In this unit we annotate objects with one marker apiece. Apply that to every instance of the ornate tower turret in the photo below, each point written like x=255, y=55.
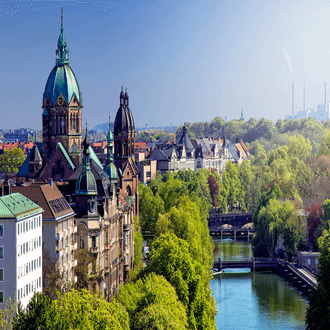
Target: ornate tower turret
x=62, y=104
x=86, y=188
x=110, y=167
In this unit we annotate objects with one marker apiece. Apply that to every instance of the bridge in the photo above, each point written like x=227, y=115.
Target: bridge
x=252, y=263
x=232, y=219
x=231, y=225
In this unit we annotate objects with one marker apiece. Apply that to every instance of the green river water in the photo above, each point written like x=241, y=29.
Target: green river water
x=260, y=300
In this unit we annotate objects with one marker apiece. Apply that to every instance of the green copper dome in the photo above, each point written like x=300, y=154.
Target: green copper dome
x=111, y=170
x=62, y=80
x=86, y=183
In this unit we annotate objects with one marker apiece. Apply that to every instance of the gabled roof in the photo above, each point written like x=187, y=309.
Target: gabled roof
x=17, y=206
x=47, y=197
x=97, y=171
x=67, y=157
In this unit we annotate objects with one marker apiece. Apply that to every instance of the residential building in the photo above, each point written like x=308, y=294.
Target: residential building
x=58, y=225
x=196, y=154
x=20, y=249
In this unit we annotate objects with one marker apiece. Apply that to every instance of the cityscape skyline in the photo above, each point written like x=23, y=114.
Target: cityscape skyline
x=181, y=61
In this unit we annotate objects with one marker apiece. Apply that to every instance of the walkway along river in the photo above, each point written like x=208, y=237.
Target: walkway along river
x=254, y=300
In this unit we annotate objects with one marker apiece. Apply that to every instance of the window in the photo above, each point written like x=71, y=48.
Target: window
x=34, y=222
x=106, y=238
x=39, y=261
x=26, y=226
x=82, y=242
x=94, y=241
x=35, y=264
x=1, y=230
x=1, y=274
x=27, y=269
x=1, y=252
x=23, y=248
x=18, y=227
x=39, y=240
x=39, y=281
x=2, y=297
x=19, y=296
x=106, y=261
x=35, y=243
x=29, y=225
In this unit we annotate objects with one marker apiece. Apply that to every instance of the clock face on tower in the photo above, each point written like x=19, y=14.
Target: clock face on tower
x=60, y=100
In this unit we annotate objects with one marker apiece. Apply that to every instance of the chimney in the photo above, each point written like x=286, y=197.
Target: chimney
x=304, y=96
x=325, y=95
x=292, y=99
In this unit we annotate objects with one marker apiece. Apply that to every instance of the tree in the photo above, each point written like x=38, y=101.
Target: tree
x=37, y=315
x=7, y=315
x=53, y=279
x=81, y=270
x=214, y=190
x=318, y=311
x=12, y=160
x=315, y=214
x=82, y=310
x=138, y=242
x=189, y=278
x=152, y=303
x=325, y=144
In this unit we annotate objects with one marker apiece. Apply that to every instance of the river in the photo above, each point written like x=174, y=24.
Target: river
x=260, y=300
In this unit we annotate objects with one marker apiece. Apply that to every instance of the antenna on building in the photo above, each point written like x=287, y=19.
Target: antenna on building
x=293, y=99
x=325, y=94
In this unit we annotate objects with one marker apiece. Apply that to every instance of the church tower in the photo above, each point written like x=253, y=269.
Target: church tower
x=62, y=106
x=124, y=137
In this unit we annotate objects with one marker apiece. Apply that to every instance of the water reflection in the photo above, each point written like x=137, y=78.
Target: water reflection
x=253, y=300
x=228, y=249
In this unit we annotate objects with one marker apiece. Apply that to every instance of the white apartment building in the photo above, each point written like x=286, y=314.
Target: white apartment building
x=58, y=225
x=20, y=249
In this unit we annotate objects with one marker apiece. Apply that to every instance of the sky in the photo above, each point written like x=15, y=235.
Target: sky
x=181, y=61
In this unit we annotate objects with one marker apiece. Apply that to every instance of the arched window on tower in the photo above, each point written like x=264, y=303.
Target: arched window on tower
x=128, y=191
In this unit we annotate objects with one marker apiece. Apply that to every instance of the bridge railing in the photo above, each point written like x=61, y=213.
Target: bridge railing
x=256, y=260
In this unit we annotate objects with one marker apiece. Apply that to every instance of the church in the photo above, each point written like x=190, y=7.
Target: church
x=104, y=197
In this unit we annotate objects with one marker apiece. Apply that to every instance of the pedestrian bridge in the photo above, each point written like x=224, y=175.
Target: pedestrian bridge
x=252, y=263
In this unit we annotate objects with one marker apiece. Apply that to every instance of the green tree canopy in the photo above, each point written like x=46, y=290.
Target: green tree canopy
x=152, y=303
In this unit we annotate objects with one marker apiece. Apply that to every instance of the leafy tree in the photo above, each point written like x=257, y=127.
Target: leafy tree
x=82, y=310
x=214, y=190
x=37, y=315
x=299, y=147
x=152, y=303
x=7, y=315
x=12, y=160
x=81, y=269
x=315, y=214
x=150, y=207
x=53, y=279
x=189, y=278
x=325, y=144
x=138, y=242
x=318, y=311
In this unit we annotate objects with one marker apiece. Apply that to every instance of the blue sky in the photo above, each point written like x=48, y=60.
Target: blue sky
x=180, y=60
